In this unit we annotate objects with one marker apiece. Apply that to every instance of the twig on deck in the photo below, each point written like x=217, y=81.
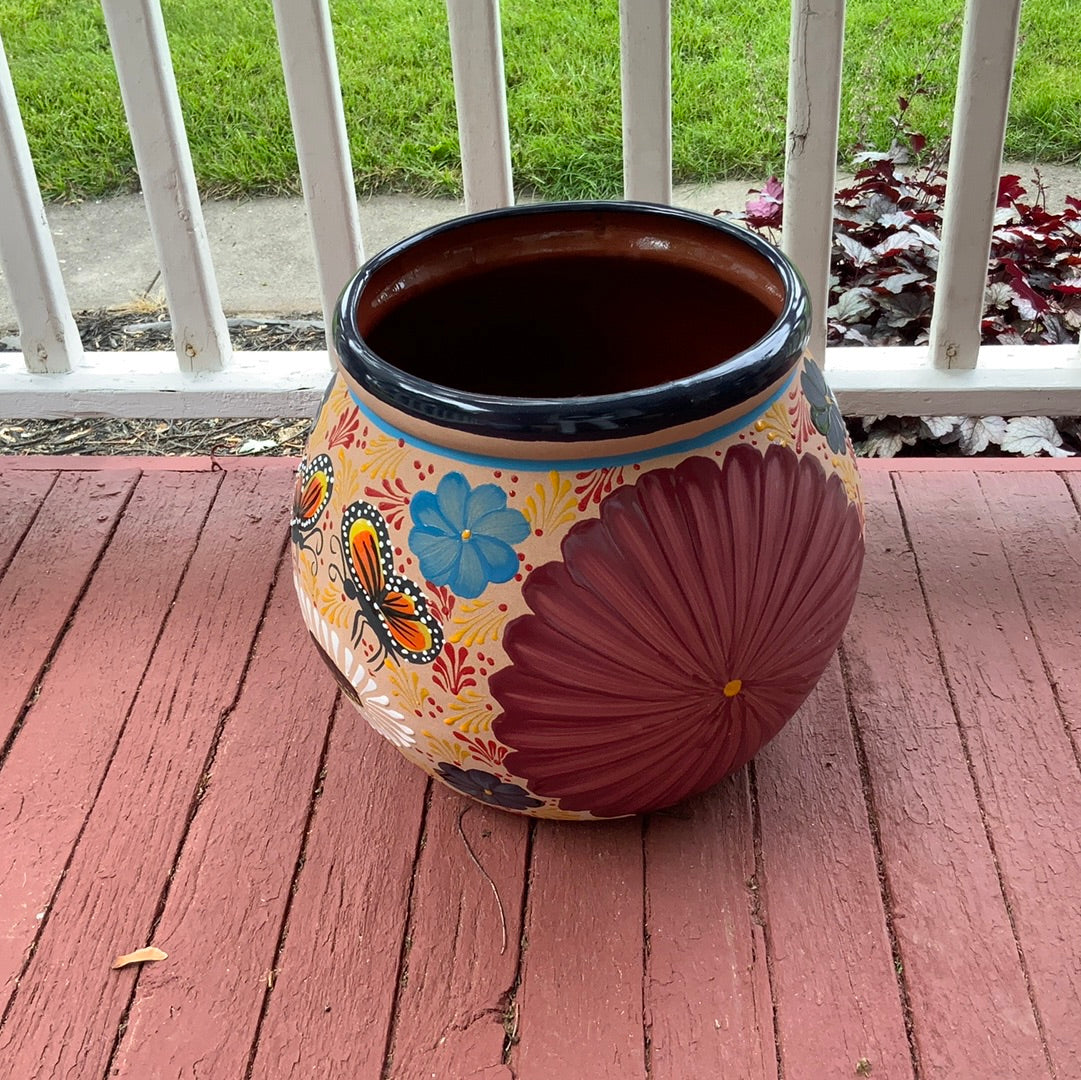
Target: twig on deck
x=487, y=876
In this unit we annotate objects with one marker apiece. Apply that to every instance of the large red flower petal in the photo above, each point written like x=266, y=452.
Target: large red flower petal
x=683, y=627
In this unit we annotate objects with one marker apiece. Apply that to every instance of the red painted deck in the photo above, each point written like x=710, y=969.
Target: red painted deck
x=892, y=890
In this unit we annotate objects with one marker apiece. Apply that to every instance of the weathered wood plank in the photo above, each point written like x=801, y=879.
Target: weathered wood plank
x=1041, y=535
x=20, y=496
x=65, y=1012
x=960, y=963
x=330, y=1009
x=833, y=980
x=462, y=962
x=51, y=776
x=1021, y=756
x=229, y=892
x=579, y=1005
x=708, y=1006
x=45, y=578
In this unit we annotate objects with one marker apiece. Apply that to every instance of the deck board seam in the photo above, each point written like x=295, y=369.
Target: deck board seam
x=647, y=1022
x=294, y=884
x=1052, y=682
x=1073, y=495
x=967, y=751
x=29, y=525
x=510, y=997
x=58, y=640
x=402, y=973
x=881, y=865
x=758, y=912
x=193, y=807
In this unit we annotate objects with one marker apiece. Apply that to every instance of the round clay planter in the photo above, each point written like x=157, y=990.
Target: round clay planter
x=579, y=526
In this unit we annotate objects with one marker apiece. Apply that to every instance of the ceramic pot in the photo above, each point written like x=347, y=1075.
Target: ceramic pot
x=579, y=526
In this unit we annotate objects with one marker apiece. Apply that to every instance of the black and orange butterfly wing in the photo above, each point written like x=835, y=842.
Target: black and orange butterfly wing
x=392, y=604
x=311, y=494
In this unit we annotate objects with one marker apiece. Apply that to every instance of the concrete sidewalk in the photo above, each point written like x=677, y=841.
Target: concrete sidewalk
x=262, y=249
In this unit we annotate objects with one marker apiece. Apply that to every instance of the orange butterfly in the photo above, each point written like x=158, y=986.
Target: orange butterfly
x=311, y=494
x=392, y=605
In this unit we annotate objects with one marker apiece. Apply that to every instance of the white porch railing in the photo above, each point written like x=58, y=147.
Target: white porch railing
x=954, y=374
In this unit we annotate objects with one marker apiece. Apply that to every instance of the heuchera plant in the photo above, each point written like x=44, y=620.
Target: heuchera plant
x=887, y=230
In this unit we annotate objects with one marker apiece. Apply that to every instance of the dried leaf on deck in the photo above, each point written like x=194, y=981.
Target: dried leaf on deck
x=140, y=956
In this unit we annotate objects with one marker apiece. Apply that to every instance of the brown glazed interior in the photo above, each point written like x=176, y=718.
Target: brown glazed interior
x=571, y=320
x=576, y=305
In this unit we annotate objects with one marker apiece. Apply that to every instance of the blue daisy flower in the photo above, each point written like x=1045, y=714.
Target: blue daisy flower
x=462, y=536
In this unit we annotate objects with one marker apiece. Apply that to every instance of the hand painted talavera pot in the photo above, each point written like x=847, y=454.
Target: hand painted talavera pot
x=579, y=526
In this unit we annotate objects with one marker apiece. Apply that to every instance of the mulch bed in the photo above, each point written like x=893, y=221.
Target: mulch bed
x=146, y=328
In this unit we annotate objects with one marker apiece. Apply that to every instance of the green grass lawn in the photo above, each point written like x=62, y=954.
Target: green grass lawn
x=729, y=75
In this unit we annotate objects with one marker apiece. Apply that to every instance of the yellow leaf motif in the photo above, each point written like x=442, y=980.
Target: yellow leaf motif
x=346, y=478
x=551, y=505
x=339, y=398
x=407, y=689
x=384, y=457
x=333, y=608
x=775, y=423
x=470, y=713
x=846, y=469
x=481, y=621
x=448, y=749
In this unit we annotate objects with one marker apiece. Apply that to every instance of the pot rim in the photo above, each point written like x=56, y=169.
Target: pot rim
x=705, y=393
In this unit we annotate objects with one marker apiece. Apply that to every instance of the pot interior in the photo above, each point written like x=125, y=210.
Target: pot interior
x=568, y=303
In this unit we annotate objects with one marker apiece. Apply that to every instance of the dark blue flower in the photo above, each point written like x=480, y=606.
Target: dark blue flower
x=483, y=786
x=825, y=415
x=462, y=536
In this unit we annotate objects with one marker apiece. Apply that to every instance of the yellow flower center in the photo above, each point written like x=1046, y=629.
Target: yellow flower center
x=467, y=534
x=733, y=687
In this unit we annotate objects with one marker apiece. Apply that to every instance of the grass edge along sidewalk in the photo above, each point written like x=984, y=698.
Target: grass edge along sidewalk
x=729, y=86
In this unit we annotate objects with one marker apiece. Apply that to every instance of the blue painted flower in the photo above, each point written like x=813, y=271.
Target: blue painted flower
x=462, y=537
x=825, y=415
x=487, y=788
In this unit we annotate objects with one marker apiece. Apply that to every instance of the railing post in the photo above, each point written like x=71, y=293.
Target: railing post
x=306, y=43
x=988, y=47
x=148, y=88
x=814, y=101
x=480, y=97
x=47, y=331
x=645, y=45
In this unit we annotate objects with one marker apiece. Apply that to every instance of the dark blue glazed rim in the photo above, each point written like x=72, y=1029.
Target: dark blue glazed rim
x=623, y=415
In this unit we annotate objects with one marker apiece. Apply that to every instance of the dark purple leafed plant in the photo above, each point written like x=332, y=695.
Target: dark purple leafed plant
x=887, y=229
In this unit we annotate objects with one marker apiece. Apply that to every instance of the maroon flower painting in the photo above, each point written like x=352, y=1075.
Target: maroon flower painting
x=682, y=629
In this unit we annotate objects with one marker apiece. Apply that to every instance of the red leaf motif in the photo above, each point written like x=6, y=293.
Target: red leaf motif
x=485, y=750
x=344, y=432
x=391, y=499
x=450, y=672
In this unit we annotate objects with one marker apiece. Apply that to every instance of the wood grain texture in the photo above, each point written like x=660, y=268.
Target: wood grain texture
x=461, y=964
x=51, y=777
x=67, y=1007
x=21, y=493
x=833, y=980
x=47, y=574
x=580, y=999
x=330, y=1010
x=1041, y=535
x=707, y=1000
x=229, y=891
x=1026, y=773
x=939, y=865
